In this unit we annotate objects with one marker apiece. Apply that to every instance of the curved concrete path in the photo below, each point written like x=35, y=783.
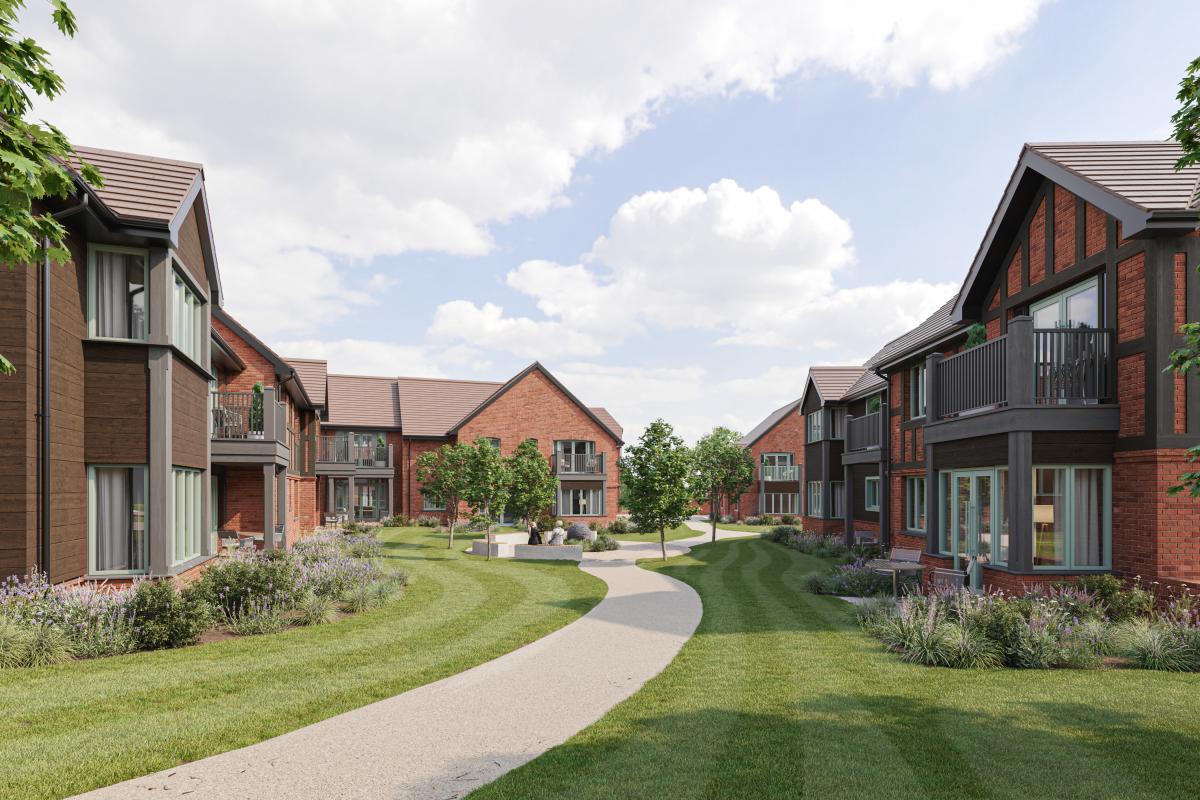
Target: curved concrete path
x=441, y=740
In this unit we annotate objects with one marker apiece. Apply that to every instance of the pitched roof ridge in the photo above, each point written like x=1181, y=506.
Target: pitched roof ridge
x=448, y=380
x=306, y=360
x=142, y=156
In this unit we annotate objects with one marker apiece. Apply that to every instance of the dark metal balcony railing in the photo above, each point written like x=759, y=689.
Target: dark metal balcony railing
x=1044, y=366
x=343, y=450
x=578, y=464
x=248, y=415
x=1072, y=365
x=864, y=433
x=974, y=379
x=779, y=472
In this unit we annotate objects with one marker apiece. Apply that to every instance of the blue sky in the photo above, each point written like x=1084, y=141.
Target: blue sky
x=903, y=174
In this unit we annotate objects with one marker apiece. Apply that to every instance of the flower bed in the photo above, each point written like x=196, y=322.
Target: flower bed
x=1085, y=625
x=244, y=593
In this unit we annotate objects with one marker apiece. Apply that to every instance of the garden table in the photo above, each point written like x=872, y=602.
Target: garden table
x=886, y=565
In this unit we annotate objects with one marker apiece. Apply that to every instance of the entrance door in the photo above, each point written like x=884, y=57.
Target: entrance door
x=973, y=527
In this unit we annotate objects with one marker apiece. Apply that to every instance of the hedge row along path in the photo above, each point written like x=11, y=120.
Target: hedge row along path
x=446, y=738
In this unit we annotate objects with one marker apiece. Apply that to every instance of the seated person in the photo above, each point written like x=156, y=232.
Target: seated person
x=558, y=534
x=535, y=534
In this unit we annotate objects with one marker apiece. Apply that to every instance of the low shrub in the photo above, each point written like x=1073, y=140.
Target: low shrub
x=14, y=644
x=1121, y=603
x=1159, y=645
x=783, y=533
x=166, y=617
x=787, y=519
x=364, y=546
x=360, y=598
x=619, y=525
x=725, y=519
x=48, y=644
x=314, y=610
x=753, y=521
x=602, y=543
x=249, y=578
x=256, y=618
x=428, y=522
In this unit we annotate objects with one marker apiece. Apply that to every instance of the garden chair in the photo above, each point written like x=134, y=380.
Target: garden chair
x=944, y=579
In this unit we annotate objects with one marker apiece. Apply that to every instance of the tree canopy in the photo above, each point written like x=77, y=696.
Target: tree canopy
x=33, y=154
x=722, y=469
x=443, y=477
x=655, y=480
x=532, y=486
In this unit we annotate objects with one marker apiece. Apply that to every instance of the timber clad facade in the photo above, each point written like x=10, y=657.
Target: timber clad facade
x=168, y=426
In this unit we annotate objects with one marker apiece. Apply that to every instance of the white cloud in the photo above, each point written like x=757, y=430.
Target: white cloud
x=738, y=262
x=364, y=357
x=335, y=133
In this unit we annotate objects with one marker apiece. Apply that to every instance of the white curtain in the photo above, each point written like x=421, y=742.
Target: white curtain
x=1089, y=517
x=116, y=547
x=112, y=317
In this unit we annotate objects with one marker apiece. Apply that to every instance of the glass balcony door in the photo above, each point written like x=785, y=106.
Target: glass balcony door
x=971, y=522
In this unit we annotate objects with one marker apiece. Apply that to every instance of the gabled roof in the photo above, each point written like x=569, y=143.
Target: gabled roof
x=520, y=376
x=770, y=421
x=938, y=325
x=432, y=406
x=1135, y=182
x=287, y=375
x=867, y=385
x=1142, y=173
x=609, y=421
x=313, y=374
x=362, y=401
x=832, y=383
x=141, y=188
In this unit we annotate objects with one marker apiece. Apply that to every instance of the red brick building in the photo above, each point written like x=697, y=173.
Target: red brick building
x=777, y=444
x=1046, y=451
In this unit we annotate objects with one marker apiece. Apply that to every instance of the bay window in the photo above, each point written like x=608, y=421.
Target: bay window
x=1071, y=517
x=780, y=503
x=116, y=295
x=117, y=537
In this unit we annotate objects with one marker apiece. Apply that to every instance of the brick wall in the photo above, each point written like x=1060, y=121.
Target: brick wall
x=1014, y=273
x=818, y=525
x=243, y=499
x=1095, y=237
x=1131, y=389
x=303, y=513
x=535, y=408
x=786, y=437
x=408, y=488
x=1037, y=245
x=1154, y=535
x=1131, y=298
x=1180, y=317
x=1064, y=228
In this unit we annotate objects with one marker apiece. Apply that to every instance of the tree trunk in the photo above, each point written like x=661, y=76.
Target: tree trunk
x=450, y=544
x=662, y=541
x=714, y=506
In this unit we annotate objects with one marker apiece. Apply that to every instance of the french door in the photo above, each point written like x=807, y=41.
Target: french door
x=971, y=523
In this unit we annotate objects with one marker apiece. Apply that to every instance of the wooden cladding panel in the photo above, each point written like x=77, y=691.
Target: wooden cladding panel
x=189, y=409
x=117, y=405
x=191, y=252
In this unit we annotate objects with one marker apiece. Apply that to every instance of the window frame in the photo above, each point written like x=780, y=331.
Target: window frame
x=911, y=512
x=814, y=426
x=837, y=497
x=1059, y=298
x=92, y=520
x=813, y=499
x=1069, y=564
x=197, y=316
x=425, y=504
x=837, y=423
x=193, y=485
x=871, y=479
x=916, y=391
x=92, y=250
x=560, y=501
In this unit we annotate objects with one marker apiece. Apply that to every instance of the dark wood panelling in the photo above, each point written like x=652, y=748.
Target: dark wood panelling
x=117, y=404
x=859, y=474
x=986, y=451
x=190, y=250
x=1074, y=447
x=189, y=407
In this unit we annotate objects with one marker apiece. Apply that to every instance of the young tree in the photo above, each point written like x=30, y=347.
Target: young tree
x=485, y=488
x=533, y=486
x=721, y=468
x=442, y=474
x=33, y=155
x=654, y=481
x=1187, y=358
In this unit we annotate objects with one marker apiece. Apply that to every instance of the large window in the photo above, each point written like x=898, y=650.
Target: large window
x=914, y=504
x=871, y=493
x=815, y=426
x=837, y=423
x=916, y=391
x=837, y=496
x=778, y=467
x=117, y=306
x=187, y=318
x=370, y=498
x=585, y=502
x=117, y=539
x=814, y=499
x=1071, y=517
x=187, y=531
x=780, y=503
x=432, y=504
x=1075, y=307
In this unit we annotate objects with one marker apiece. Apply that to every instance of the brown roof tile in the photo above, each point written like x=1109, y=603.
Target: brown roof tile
x=313, y=374
x=759, y=430
x=362, y=401
x=432, y=406
x=1141, y=172
x=609, y=420
x=142, y=188
x=868, y=384
x=834, y=382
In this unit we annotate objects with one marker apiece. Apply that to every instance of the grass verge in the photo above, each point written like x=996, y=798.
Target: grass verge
x=81, y=725
x=780, y=695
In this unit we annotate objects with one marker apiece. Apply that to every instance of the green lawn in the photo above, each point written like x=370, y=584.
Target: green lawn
x=681, y=532
x=778, y=695
x=732, y=526
x=77, y=726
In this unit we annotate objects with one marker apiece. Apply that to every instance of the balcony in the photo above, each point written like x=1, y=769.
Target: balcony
x=778, y=473
x=341, y=455
x=1030, y=379
x=249, y=427
x=578, y=465
x=865, y=432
